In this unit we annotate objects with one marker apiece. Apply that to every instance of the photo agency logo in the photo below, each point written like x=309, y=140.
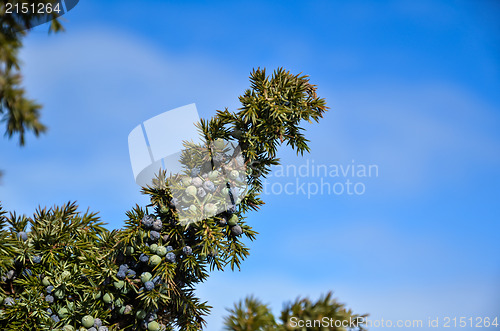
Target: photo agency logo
x=204, y=178
x=26, y=14
x=311, y=179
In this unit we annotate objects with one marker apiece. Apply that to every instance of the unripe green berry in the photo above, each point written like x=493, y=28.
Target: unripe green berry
x=154, y=260
x=119, y=284
x=153, y=248
x=233, y=220
x=234, y=174
x=107, y=298
x=161, y=251
x=59, y=294
x=63, y=312
x=153, y=326
x=88, y=321
x=119, y=302
x=146, y=276
x=191, y=190
x=46, y=281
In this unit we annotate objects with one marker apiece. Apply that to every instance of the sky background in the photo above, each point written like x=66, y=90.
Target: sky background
x=413, y=88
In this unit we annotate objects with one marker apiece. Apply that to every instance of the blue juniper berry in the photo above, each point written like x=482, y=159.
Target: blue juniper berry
x=149, y=286
x=22, y=235
x=147, y=221
x=97, y=322
x=201, y=192
x=170, y=257
x=157, y=225
x=154, y=235
x=236, y=230
x=209, y=186
x=187, y=250
x=197, y=181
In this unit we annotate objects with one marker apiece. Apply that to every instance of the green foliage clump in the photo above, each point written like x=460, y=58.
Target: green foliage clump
x=250, y=315
x=47, y=273
x=301, y=314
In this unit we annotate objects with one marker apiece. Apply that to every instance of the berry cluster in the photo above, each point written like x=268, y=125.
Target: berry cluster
x=208, y=188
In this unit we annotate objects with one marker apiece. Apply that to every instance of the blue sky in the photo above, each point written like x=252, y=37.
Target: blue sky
x=412, y=86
